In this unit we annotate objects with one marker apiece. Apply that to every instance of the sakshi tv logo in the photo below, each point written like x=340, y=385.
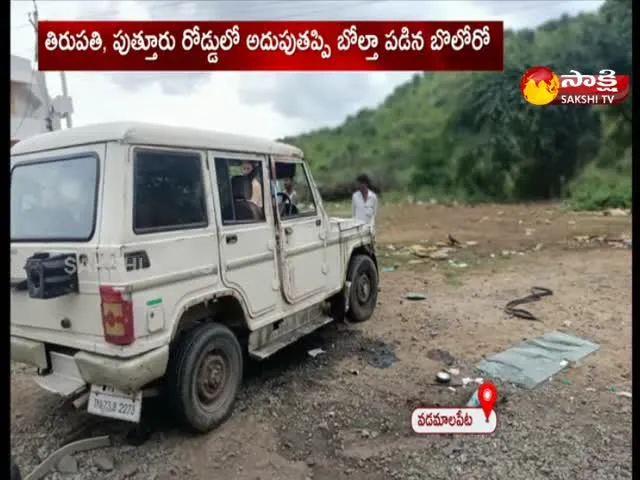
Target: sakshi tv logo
x=542, y=86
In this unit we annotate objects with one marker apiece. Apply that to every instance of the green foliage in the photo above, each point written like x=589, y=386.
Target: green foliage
x=471, y=136
x=597, y=188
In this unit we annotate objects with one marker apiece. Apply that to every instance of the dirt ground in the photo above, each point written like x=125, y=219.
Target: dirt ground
x=337, y=417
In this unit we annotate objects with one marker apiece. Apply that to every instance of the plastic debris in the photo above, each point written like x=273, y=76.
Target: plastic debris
x=624, y=394
x=389, y=269
x=315, y=352
x=456, y=264
x=467, y=380
x=454, y=371
x=415, y=296
x=473, y=400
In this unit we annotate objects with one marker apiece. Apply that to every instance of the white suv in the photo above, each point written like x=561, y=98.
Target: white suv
x=149, y=258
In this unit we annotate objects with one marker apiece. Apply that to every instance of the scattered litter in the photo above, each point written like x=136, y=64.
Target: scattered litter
x=590, y=389
x=420, y=250
x=467, y=380
x=389, y=269
x=354, y=372
x=441, y=254
x=415, y=261
x=315, y=352
x=505, y=253
x=564, y=363
x=454, y=371
x=624, y=394
x=415, y=296
x=439, y=355
x=443, y=377
x=473, y=400
x=492, y=255
x=535, y=360
x=613, y=389
x=536, y=294
x=538, y=247
x=391, y=247
x=529, y=231
x=456, y=264
x=471, y=243
x=452, y=389
x=566, y=382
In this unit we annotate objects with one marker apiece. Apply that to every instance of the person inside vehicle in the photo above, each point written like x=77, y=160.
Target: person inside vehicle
x=288, y=188
x=249, y=170
x=364, y=202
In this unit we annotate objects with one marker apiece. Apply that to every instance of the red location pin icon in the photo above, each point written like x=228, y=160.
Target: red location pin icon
x=487, y=395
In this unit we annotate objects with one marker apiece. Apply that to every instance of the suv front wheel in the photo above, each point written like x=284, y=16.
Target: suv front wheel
x=204, y=376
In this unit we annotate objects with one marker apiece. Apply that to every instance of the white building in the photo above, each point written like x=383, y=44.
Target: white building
x=31, y=106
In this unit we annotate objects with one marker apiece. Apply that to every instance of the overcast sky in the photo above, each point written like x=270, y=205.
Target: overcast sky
x=262, y=103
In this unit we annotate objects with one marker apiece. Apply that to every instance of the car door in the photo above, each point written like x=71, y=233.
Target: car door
x=248, y=254
x=302, y=233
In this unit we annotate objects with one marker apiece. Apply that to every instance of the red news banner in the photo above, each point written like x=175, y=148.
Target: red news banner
x=274, y=46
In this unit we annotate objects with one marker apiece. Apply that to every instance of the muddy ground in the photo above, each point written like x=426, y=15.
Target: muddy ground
x=338, y=416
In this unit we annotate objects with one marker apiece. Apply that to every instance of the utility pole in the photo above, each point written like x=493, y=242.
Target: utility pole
x=39, y=79
x=33, y=19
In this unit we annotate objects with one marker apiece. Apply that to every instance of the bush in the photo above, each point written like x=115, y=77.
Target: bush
x=598, y=189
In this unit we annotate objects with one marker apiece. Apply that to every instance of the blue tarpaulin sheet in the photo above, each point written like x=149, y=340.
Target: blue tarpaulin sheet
x=535, y=360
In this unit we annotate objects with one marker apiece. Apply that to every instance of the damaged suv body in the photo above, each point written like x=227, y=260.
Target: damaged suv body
x=148, y=258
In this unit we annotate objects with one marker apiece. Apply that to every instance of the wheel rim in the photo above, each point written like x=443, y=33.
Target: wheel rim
x=213, y=374
x=363, y=288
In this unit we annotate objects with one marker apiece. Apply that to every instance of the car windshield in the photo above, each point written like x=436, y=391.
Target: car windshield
x=54, y=200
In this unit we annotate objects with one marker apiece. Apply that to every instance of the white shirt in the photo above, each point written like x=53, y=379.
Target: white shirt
x=365, y=210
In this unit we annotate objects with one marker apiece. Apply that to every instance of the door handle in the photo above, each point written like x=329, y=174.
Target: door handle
x=318, y=222
x=231, y=239
x=288, y=230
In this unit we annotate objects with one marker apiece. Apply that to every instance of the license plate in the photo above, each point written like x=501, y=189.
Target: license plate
x=109, y=402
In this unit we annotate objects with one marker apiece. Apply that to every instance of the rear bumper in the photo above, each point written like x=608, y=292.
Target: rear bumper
x=128, y=375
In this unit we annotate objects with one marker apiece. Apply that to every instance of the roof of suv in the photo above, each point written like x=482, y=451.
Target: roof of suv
x=149, y=134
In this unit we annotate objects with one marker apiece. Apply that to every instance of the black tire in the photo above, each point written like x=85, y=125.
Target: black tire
x=200, y=405
x=363, y=294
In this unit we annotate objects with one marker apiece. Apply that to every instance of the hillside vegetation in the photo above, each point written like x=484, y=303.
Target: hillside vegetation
x=471, y=136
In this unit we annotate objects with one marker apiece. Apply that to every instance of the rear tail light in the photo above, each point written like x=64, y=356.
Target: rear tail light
x=117, y=317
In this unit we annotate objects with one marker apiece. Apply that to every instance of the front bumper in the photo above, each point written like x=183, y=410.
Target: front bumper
x=127, y=375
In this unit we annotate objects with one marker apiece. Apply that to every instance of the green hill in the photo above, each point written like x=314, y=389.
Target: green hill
x=472, y=137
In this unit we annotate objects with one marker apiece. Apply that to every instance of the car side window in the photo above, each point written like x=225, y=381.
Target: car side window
x=240, y=186
x=294, y=183
x=168, y=191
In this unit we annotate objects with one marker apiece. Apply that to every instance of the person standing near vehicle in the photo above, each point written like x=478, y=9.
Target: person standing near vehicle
x=364, y=202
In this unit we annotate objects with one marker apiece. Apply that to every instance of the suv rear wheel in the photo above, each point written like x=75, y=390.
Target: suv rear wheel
x=204, y=376
x=363, y=293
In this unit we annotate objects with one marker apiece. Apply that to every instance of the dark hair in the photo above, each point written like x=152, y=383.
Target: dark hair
x=364, y=179
x=254, y=169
